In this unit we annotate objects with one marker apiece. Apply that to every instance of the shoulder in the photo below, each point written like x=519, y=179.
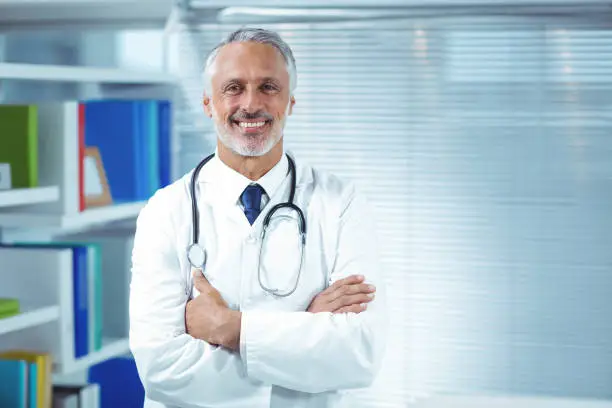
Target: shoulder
x=330, y=189
x=163, y=206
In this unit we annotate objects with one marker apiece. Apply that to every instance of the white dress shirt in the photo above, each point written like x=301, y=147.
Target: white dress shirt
x=288, y=357
x=234, y=183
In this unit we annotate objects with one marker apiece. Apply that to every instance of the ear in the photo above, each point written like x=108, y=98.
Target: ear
x=291, y=105
x=206, y=102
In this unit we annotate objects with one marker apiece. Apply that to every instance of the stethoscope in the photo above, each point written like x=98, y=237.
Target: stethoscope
x=196, y=254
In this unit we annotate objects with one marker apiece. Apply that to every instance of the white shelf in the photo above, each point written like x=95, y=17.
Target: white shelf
x=110, y=348
x=83, y=220
x=80, y=74
x=26, y=196
x=29, y=317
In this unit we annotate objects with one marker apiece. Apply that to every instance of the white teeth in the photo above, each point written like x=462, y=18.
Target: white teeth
x=252, y=125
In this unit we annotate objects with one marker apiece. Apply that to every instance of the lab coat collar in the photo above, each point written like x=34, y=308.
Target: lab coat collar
x=227, y=184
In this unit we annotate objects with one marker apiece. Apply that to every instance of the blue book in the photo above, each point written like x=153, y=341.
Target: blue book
x=14, y=384
x=81, y=301
x=33, y=384
x=153, y=144
x=115, y=127
x=141, y=155
x=149, y=147
x=165, y=148
x=120, y=385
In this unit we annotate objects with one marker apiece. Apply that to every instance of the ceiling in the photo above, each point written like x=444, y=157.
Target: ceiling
x=24, y=13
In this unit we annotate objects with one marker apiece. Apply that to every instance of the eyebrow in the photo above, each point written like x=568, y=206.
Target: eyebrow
x=240, y=81
x=269, y=79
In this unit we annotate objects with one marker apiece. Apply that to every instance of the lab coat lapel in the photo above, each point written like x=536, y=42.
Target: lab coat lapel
x=228, y=211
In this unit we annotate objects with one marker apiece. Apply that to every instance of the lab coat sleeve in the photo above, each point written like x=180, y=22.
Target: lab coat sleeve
x=318, y=352
x=175, y=368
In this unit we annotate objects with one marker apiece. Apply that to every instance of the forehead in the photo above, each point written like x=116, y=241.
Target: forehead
x=249, y=61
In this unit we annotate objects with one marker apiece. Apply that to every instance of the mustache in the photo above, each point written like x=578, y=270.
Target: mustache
x=243, y=115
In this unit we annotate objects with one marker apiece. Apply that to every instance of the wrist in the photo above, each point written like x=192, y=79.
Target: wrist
x=231, y=330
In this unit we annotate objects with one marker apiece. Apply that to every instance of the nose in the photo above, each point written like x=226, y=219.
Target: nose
x=252, y=101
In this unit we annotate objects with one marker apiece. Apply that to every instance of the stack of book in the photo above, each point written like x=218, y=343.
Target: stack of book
x=26, y=382
x=25, y=379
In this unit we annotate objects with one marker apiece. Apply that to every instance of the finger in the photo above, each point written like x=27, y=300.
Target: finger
x=200, y=281
x=358, y=288
x=352, y=289
x=350, y=300
x=350, y=280
x=352, y=309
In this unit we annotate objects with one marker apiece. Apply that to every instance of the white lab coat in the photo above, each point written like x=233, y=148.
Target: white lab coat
x=288, y=357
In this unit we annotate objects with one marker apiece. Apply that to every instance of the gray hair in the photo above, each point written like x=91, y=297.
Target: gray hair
x=261, y=36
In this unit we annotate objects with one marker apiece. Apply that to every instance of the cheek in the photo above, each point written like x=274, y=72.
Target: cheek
x=280, y=113
x=223, y=115
x=224, y=108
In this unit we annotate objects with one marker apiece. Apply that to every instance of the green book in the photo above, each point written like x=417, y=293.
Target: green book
x=9, y=314
x=19, y=143
x=9, y=307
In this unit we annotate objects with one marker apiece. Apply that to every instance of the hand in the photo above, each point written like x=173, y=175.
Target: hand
x=344, y=296
x=208, y=317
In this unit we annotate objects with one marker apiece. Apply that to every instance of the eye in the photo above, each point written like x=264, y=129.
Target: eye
x=232, y=89
x=269, y=87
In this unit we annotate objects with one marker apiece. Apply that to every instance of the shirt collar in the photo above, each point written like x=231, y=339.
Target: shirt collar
x=228, y=184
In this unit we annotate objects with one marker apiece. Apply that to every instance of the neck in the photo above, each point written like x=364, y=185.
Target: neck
x=254, y=167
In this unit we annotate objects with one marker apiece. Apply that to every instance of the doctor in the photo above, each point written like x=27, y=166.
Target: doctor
x=276, y=320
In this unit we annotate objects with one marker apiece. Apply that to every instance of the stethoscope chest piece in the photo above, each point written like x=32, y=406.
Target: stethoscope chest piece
x=196, y=256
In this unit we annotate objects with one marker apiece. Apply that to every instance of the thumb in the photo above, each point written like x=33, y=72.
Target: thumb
x=200, y=281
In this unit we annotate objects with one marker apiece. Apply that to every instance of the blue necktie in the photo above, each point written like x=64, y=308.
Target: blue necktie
x=251, y=199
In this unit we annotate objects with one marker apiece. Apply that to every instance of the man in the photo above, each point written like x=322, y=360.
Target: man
x=219, y=336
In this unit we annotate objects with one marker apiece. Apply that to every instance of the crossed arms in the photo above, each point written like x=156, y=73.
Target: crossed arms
x=189, y=353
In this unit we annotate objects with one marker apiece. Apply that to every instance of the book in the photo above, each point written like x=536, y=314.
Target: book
x=119, y=382
x=151, y=145
x=19, y=143
x=94, y=280
x=8, y=307
x=165, y=149
x=39, y=376
x=117, y=129
x=14, y=384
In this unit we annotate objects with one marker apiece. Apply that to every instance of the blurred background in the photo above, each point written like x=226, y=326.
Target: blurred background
x=480, y=130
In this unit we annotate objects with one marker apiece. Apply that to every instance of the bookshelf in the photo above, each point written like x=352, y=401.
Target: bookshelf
x=25, y=196
x=41, y=72
x=50, y=213
x=111, y=347
x=29, y=317
x=73, y=222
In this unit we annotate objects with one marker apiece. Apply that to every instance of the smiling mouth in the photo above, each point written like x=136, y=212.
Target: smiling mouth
x=250, y=126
